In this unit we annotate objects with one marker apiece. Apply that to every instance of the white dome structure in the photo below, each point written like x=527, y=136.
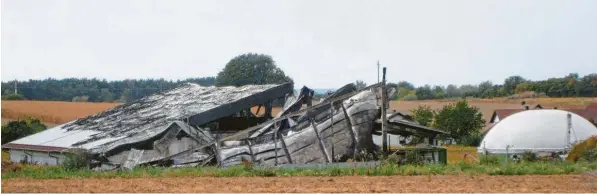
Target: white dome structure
x=536, y=131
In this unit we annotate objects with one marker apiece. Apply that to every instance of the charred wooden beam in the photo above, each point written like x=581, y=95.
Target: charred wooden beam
x=250, y=150
x=351, y=130
x=276, y=145
x=288, y=157
x=321, y=144
x=332, y=129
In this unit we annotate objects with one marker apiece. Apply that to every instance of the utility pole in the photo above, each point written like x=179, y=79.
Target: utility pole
x=384, y=133
x=378, y=71
x=15, y=86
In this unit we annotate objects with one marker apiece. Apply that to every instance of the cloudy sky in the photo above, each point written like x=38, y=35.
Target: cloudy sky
x=321, y=44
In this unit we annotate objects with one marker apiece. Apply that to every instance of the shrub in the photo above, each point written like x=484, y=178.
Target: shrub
x=392, y=159
x=14, y=130
x=589, y=155
x=529, y=156
x=471, y=140
x=490, y=160
x=364, y=156
x=80, y=98
x=578, y=151
x=75, y=161
x=13, y=96
x=412, y=157
x=410, y=97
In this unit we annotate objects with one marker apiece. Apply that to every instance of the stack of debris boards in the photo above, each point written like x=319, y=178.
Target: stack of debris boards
x=338, y=128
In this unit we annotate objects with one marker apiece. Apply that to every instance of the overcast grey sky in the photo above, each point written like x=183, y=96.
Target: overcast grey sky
x=321, y=44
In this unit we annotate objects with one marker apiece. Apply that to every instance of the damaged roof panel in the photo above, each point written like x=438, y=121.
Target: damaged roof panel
x=149, y=116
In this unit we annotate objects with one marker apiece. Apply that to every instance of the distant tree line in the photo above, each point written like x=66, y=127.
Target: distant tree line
x=92, y=90
x=249, y=68
x=252, y=68
x=568, y=86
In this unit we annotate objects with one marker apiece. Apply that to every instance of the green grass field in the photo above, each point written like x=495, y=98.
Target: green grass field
x=535, y=168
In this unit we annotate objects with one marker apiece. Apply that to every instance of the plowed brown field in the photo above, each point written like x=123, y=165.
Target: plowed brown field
x=536, y=183
x=52, y=111
x=61, y=112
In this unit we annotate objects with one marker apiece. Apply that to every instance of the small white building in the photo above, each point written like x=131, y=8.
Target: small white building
x=546, y=130
x=49, y=146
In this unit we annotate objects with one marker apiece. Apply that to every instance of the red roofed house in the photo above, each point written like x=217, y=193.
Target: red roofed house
x=589, y=113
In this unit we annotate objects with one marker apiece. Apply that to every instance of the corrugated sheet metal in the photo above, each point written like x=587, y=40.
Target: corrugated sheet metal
x=33, y=147
x=150, y=116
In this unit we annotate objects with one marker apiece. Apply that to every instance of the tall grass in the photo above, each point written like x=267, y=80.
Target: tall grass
x=383, y=170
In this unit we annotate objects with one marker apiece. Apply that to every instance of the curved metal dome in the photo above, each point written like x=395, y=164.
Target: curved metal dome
x=536, y=130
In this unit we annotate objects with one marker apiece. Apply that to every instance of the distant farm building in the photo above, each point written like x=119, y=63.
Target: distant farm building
x=545, y=130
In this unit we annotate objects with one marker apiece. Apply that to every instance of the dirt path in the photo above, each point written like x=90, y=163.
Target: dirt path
x=536, y=183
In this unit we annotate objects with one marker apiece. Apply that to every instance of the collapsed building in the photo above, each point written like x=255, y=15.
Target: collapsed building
x=193, y=125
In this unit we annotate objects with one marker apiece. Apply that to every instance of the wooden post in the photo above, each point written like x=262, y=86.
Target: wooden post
x=217, y=147
x=332, y=128
x=251, y=151
x=276, y=145
x=285, y=148
x=268, y=110
x=384, y=132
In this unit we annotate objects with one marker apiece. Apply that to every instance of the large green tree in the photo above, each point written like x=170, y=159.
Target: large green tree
x=452, y=91
x=251, y=68
x=423, y=114
x=511, y=82
x=424, y=92
x=460, y=120
x=406, y=85
x=486, y=90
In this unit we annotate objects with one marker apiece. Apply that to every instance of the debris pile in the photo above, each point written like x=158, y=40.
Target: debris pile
x=194, y=125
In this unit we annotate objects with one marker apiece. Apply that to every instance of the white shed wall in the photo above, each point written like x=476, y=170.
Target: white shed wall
x=36, y=157
x=185, y=143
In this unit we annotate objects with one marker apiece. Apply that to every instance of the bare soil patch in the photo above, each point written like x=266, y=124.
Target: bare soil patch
x=533, y=183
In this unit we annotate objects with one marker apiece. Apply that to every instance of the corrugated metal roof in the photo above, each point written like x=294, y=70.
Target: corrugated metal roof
x=33, y=147
x=149, y=116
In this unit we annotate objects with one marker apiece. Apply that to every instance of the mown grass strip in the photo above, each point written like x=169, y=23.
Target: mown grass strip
x=536, y=168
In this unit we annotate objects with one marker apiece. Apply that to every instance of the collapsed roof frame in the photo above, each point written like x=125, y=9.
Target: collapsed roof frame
x=247, y=131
